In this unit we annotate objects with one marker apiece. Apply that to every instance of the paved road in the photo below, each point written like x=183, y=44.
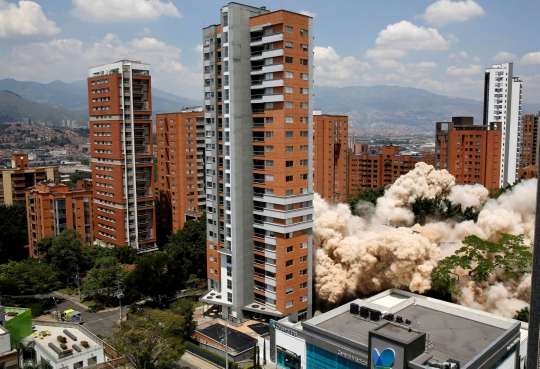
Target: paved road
x=100, y=323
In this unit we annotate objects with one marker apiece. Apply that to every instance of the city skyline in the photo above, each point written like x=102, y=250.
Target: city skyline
x=439, y=46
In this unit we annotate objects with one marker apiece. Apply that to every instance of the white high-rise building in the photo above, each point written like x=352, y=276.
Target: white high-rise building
x=502, y=103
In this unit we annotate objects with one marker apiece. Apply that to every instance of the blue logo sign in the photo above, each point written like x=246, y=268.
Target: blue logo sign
x=384, y=360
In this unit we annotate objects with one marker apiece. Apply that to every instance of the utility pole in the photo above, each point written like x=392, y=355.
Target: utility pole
x=120, y=296
x=55, y=304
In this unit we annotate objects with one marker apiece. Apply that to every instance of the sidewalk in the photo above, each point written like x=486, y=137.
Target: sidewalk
x=75, y=299
x=198, y=362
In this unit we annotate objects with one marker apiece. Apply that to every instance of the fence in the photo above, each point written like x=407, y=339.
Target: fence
x=209, y=356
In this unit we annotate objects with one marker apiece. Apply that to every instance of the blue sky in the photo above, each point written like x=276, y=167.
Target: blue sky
x=442, y=46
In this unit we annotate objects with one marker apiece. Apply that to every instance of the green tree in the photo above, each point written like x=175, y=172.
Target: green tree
x=151, y=339
x=522, y=314
x=27, y=277
x=185, y=308
x=106, y=271
x=155, y=276
x=438, y=210
x=188, y=246
x=370, y=195
x=43, y=245
x=84, y=162
x=14, y=232
x=65, y=252
x=480, y=259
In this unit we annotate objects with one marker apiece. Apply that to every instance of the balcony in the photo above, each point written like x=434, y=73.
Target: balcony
x=257, y=99
x=261, y=40
x=258, y=84
x=264, y=54
x=270, y=68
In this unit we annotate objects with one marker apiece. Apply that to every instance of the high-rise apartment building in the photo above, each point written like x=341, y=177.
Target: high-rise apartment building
x=15, y=181
x=330, y=138
x=258, y=76
x=502, y=104
x=529, y=147
x=52, y=207
x=471, y=153
x=120, y=109
x=374, y=170
x=180, y=169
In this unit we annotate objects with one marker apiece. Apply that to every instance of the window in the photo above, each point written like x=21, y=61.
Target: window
x=290, y=249
x=269, y=177
x=289, y=134
x=288, y=304
x=289, y=163
x=288, y=29
x=303, y=119
x=289, y=59
x=303, y=298
x=229, y=272
x=229, y=259
x=289, y=178
x=289, y=119
x=303, y=47
x=288, y=277
x=229, y=296
x=289, y=90
x=304, y=91
x=229, y=284
x=289, y=263
x=303, y=176
x=269, y=105
x=288, y=192
x=303, y=32
x=269, y=120
x=303, y=272
x=304, y=105
x=78, y=365
x=269, y=148
x=269, y=134
x=304, y=76
x=269, y=163
x=303, y=259
x=289, y=104
x=288, y=290
x=269, y=61
x=289, y=75
x=304, y=148
x=304, y=162
x=303, y=133
x=269, y=91
x=289, y=148
x=303, y=61
x=268, y=76
x=288, y=44
x=303, y=285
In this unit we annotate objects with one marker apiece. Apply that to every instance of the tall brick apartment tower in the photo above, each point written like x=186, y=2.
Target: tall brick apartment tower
x=529, y=151
x=258, y=72
x=180, y=159
x=120, y=108
x=331, y=136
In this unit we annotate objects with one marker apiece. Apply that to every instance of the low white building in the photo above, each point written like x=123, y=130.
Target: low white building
x=75, y=355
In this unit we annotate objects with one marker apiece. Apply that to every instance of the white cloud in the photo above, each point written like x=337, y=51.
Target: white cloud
x=27, y=19
x=333, y=69
x=385, y=53
x=405, y=35
x=462, y=54
x=504, y=56
x=199, y=48
x=530, y=58
x=118, y=10
x=469, y=70
x=146, y=31
x=465, y=87
x=69, y=60
x=476, y=59
x=308, y=13
x=443, y=12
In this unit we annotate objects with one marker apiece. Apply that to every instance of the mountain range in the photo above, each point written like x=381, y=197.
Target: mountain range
x=366, y=106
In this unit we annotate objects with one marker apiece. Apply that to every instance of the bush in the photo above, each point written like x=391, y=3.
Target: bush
x=63, y=346
x=37, y=309
x=85, y=344
x=61, y=339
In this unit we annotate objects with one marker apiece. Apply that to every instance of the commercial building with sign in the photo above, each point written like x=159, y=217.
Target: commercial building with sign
x=397, y=329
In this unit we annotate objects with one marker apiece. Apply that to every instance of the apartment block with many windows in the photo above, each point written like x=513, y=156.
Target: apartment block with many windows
x=258, y=73
x=52, y=207
x=502, y=104
x=529, y=150
x=471, y=153
x=15, y=181
x=331, y=137
x=120, y=109
x=180, y=171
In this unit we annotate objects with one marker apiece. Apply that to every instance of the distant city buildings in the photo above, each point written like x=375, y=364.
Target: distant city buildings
x=120, y=109
x=52, y=207
x=529, y=151
x=502, y=104
x=330, y=148
x=15, y=181
x=180, y=166
x=471, y=153
x=373, y=170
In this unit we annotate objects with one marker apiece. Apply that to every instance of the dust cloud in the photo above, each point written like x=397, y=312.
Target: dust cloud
x=383, y=248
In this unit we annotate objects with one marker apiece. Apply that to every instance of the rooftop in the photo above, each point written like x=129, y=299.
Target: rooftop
x=68, y=330
x=455, y=331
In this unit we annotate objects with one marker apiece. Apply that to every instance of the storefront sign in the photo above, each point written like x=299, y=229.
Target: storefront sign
x=350, y=357
x=282, y=328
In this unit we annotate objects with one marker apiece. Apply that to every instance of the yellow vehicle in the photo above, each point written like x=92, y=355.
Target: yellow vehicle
x=71, y=315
